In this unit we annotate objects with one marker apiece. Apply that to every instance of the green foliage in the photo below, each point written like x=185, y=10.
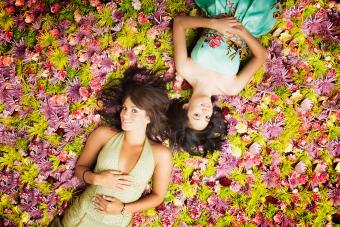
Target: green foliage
x=65, y=193
x=47, y=39
x=309, y=11
x=2, y=107
x=270, y=210
x=105, y=40
x=29, y=171
x=85, y=75
x=258, y=192
x=175, y=7
x=66, y=14
x=30, y=39
x=38, y=124
x=6, y=21
x=75, y=146
x=148, y=6
x=59, y=59
x=104, y=17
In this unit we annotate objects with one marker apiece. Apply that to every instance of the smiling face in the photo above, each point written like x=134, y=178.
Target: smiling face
x=133, y=118
x=200, y=110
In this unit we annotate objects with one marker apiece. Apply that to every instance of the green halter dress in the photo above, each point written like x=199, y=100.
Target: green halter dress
x=223, y=54
x=82, y=212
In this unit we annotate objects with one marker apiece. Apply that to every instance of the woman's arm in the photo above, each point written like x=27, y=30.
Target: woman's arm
x=259, y=55
x=161, y=178
x=88, y=157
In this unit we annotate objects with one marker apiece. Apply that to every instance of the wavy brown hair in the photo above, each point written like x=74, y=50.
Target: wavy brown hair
x=146, y=90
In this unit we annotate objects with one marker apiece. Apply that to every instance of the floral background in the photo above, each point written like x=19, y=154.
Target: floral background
x=278, y=166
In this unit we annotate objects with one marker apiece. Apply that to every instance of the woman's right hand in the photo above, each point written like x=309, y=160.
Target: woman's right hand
x=227, y=25
x=113, y=179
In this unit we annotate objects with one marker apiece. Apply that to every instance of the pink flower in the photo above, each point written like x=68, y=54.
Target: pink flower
x=142, y=18
x=235, y=186
x=177, y=176
x=152, y=33
x=59, y=100
x=84, y=93
x=306, y=105
x=214, y=41
x=255, y=148
x=301, y=167
x=278, y=218
x=95, y=85
x=55, y=8
x=151, y=59
x=289, y=24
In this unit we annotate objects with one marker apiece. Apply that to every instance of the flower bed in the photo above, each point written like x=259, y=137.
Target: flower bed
x=279, y=165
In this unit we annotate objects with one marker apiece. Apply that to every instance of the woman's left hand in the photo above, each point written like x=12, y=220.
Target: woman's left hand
x=228, y=25
x=107, y=204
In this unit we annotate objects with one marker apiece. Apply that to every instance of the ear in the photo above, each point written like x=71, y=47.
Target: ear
x=148, y=120
x=185, y=106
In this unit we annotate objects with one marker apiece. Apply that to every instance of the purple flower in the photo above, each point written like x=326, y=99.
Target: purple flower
x=72, y=129
x=107, y=64
x=117, y=15
x=9, y=181
x=334, y=196
x=73, y=90
x=168, y=213
x=29, y=198
x=227, y=162
x=272, y=130
x=195, y=207
x=334, y=147
x=312, y=149
x=19, y=49
x=272, y=177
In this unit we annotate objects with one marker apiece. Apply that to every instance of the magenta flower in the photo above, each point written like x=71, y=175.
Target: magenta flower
x=272, y=129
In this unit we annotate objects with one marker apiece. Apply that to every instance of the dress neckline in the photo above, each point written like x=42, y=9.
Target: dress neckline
x=145, y=145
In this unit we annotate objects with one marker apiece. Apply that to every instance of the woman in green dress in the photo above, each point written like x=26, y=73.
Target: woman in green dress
x=231, y=26
x=117, y=163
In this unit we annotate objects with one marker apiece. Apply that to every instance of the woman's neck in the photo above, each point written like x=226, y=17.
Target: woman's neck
x=201, y=90
x=135, y=138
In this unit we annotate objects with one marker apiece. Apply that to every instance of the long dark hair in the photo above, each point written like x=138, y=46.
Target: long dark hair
x=146, y=90
x=196, y=142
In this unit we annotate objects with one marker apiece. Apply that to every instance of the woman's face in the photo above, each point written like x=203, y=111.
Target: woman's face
x=132, y=118
x=200, y=110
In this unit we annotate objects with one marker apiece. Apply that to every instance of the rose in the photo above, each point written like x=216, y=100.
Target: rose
x=84, y=93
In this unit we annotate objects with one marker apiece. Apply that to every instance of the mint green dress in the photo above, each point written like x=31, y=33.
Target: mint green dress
x=82, y=212
x=223, y=54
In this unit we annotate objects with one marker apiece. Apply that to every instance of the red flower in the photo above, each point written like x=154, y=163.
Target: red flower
x=151, y=59
x=142, y=18
x=55, y=8
x=289, y=24
x=224, y=181
x=185, y=85
x=55, y=32
x=10, y=10
x=225, y=111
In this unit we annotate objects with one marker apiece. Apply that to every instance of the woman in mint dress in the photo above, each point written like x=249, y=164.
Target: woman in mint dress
x=231, y=29
x=118, y=162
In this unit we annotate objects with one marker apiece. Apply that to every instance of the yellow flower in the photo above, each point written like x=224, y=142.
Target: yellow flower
x=241, y=127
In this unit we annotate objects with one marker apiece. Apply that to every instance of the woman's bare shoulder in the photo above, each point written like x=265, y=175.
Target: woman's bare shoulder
x=102, y=134
x=161, y=153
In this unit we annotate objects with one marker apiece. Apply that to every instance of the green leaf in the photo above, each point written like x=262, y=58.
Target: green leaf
x=59, y=59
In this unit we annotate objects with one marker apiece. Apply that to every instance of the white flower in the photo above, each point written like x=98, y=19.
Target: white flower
x=136, y=5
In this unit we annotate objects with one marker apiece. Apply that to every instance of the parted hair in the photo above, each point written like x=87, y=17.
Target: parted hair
x=195, y=142
x=146, y=90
